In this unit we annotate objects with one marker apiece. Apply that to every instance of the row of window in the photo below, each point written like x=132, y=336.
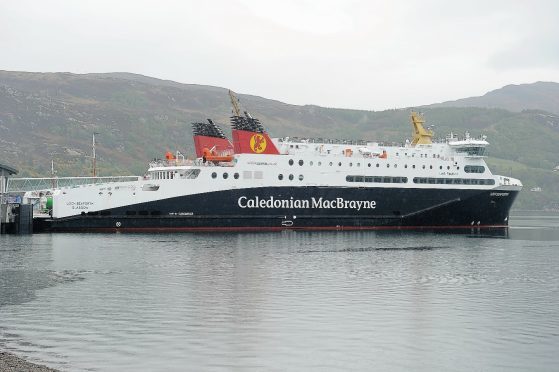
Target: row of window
x=454, y=181
x=291, y=177
x=247, y=175
x=167, y=175
x=440, y=181
x=376, y=179
x=468, y=168
x=226, y=175
x=474, y=169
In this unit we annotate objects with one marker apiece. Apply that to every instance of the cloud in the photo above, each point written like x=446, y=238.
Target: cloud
x=368, y=54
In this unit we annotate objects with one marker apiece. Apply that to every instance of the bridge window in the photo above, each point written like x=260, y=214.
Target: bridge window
x=472, y=150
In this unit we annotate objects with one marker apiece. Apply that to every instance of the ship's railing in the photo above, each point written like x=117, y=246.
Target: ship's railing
x=170, y=163
x=18, y=185
x=329, y=141
x=323, y=141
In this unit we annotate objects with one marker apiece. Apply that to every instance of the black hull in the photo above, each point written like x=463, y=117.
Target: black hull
x=394, y=209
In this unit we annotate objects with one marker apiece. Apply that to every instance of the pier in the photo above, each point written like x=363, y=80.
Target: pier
x=15, y=217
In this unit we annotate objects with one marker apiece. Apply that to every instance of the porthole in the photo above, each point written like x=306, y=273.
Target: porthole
x=330, y=163
x=311, y=163
x=301, y=162
x=441, y=167
x=423, y=166
x=290, y=161
x=458, y=168
x=351, y=164
x=225, y=175
x=430, y=167
x=406, y=166
x=378, y=165
x=369, y=165
x=413, y=166
x=319, y=163
x=387, y=165
x=448, y=167
x=214, y=175
x=339, y=164
x=358, y=164
x=236, y=176
x=280, y=176
x=395, y=165
x=301, y=177
x=291, y=177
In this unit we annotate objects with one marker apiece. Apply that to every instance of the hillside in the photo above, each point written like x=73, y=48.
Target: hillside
x=537, y=96
x=46, y=116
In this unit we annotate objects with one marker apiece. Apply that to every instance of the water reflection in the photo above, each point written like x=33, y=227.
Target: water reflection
x=284, y=301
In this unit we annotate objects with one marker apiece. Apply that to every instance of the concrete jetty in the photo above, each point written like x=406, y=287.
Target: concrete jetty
x=15, y=218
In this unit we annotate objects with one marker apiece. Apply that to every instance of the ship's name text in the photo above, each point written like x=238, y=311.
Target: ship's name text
x=291, y=203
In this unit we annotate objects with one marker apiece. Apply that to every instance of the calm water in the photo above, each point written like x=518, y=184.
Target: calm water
x=284, y=301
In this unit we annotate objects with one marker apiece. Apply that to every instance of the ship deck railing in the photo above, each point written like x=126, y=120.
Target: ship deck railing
x=330, y=141
x=20, y=185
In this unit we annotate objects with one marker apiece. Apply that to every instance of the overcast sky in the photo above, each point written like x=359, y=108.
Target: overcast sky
x=354, y=54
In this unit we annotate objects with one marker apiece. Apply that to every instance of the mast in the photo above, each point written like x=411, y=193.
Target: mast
x=235, y=103
x=421, y=136
x=52, y=172
x=94, y=157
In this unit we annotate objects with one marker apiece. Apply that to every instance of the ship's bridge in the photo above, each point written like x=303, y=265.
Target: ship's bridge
x=470, y=147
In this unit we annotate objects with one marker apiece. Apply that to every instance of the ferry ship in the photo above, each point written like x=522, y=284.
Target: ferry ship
x=257, y=183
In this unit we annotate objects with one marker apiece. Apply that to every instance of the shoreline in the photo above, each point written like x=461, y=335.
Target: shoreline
x=12, y=363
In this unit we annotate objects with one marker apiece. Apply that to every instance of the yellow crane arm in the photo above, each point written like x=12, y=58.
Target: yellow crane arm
x=421, y=135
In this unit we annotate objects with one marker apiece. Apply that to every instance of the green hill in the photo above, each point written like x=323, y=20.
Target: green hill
x=46, y=116
x=542, y=95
